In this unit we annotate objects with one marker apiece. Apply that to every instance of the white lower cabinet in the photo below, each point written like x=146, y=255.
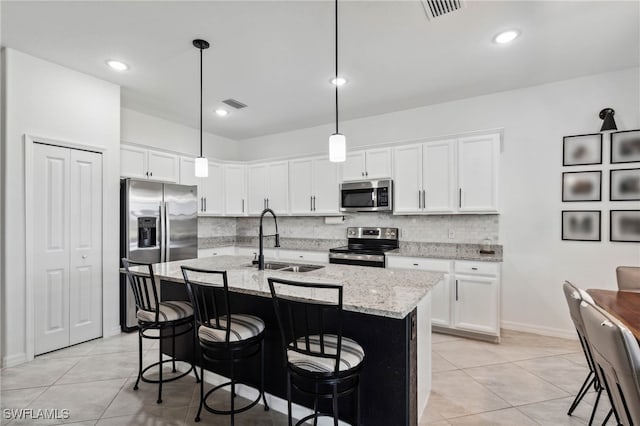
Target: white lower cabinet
x=467, y=300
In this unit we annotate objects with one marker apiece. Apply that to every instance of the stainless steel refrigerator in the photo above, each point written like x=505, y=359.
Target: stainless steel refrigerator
x=158, y=223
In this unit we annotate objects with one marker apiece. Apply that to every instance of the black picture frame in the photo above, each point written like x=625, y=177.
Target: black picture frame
x=580, y=220
x=587, y=144
x=632, y=185
x=568, y=186
x=625, y=232
x=625, y=139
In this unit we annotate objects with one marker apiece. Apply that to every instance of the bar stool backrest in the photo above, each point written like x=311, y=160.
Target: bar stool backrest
x=616, y=353
x=301, y=315
x=210, y=301
x=628, y=277
x=143, y=286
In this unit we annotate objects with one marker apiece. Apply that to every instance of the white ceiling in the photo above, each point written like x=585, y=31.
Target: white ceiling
x=277, y=57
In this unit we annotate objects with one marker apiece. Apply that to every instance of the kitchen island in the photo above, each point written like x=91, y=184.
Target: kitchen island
x=387, y=311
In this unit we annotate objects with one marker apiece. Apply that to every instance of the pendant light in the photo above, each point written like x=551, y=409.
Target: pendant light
x=202, y=165
x=337, y=141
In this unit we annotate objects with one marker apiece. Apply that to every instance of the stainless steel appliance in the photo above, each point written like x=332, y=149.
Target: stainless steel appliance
x=366, y=196
x=366, y=247
x=158, y=223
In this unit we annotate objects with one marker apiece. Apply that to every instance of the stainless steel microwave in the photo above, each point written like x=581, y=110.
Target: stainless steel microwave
x=366, y=196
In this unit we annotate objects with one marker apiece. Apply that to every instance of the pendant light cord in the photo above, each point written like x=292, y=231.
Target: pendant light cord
x=336, y=80
x=200, y=102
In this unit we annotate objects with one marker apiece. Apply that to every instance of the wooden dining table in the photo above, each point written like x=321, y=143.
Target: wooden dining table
x=624, y=305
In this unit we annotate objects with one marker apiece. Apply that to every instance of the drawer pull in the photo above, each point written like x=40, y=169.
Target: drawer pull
x=415, y=264
x=474, y=269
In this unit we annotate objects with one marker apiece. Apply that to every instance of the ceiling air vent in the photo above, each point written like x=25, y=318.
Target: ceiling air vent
x=437, y=8
x=234, y=104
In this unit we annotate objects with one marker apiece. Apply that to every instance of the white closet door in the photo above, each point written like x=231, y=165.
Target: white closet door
x=51, y=247
x=85, y=272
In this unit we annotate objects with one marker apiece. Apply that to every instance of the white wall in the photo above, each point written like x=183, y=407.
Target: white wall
x=536, y=261
x=148, y=130
x=50, y=101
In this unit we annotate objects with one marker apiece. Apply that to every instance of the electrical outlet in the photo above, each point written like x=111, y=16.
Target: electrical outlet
x=452, y=234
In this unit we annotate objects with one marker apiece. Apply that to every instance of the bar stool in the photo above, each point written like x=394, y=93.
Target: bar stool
x=321, y=365
x=155, y=318
x=223, y=340
x=628, y=278
x=617, y=355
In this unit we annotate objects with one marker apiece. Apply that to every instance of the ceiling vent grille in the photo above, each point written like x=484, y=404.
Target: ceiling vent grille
x=437, y=8
x=234, y=104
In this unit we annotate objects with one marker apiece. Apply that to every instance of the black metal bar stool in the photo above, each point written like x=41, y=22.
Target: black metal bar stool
x=224, y=337
x=321, y=364
x=155, y=319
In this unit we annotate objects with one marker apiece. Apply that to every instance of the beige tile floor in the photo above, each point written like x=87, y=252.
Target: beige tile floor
x=526, y=380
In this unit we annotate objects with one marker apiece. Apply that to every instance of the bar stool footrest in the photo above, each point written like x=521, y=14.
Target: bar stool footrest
x=164, y=380
x=235, y=410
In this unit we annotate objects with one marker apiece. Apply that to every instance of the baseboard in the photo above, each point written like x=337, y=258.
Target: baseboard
x=275, y=403
x=13, y=360
x=536, y=329
x=114, y=331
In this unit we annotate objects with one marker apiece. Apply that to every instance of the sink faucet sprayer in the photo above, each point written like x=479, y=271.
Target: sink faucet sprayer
x=261, y=255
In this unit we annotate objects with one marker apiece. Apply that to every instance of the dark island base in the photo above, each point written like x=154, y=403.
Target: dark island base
x=388, y=380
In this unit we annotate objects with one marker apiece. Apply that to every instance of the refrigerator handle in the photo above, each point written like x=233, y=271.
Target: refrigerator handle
x=162, y=232
x=167, y=236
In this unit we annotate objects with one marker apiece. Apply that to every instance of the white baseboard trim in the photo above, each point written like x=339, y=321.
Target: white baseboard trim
x=113, y=331
x=536, y=329
x=13, y=360
x=275, y=403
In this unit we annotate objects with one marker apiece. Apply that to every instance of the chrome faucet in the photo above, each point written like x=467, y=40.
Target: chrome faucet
x=261, y=255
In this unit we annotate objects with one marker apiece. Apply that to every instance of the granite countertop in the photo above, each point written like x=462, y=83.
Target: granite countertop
x=447, y=251
x=387, y=292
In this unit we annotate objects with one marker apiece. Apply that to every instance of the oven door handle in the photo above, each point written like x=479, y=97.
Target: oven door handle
x=356, y=256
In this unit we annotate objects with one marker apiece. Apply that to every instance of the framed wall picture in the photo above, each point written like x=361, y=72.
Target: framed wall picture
x=582, y=186
x=581, y=225
x=624, y=185
x=580, y=150
x=625, y=226
x=625, y=146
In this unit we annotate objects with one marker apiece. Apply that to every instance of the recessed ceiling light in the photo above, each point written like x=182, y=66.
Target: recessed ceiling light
x=340, y=81
x=117, y=65
x=506, y=36
x=222, y=112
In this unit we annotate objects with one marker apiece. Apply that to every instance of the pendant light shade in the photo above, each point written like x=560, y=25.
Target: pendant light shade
x=337, y=141
x=337, y=148
x=202, y=165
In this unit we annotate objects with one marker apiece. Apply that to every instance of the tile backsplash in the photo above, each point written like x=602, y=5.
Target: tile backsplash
x=433, y=228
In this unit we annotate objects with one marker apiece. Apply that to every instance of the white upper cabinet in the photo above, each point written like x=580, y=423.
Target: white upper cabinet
x=448, y=176
x=369, y=164
x=408, y=180
x=478, y=158
x=438, y=176
x=268, y=187
x=210, y=189
x=325, y=187
x=142, y=163
x=235, y=202
x=313, y=186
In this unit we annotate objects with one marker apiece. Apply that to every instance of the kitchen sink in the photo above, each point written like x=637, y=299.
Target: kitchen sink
x=288, y=267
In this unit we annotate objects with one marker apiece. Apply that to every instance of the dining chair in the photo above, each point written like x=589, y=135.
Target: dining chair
x=628, y=278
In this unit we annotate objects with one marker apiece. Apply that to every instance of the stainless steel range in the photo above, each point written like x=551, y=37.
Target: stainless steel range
x=366, y=247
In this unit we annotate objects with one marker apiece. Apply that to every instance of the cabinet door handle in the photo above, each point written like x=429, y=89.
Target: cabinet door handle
x=267, y=203
x=310, y=203
x=205, y=204
x=424, y=198
x=314, y=203
x=362, y=173
x=415, y=264
x=419, y=199
x=456, y=290
x=459, y=197
x=150, y=173
x=147, y=174
x=201, y=203
x=366, y=173
x=243, y=205
x=475, y=269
